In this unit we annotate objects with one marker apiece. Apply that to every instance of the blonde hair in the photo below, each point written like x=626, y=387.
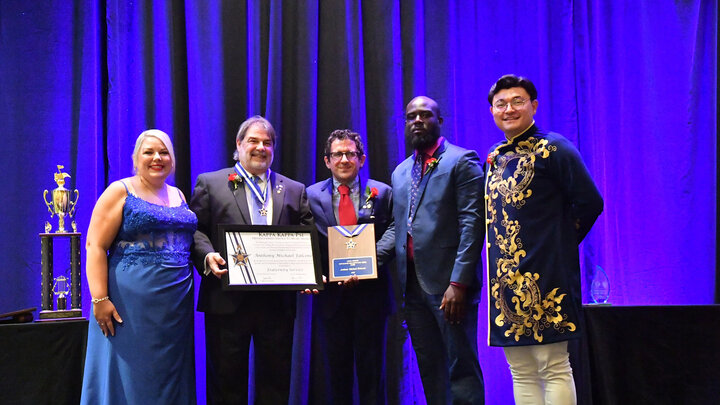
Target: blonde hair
x=163, y=137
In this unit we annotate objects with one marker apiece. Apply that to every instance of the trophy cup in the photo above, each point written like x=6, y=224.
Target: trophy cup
x=64, y=207
x=61, y=203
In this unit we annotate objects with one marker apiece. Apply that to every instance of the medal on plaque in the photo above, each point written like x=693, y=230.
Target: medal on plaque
x=64, y=207
x=351, y=252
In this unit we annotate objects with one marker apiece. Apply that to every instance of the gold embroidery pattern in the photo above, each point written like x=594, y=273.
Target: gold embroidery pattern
x=514, y=190
x=530, y=312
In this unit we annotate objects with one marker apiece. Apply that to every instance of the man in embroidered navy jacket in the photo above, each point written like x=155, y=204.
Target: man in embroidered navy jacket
x=438, y=236
x=541, y=202
x=349, y=319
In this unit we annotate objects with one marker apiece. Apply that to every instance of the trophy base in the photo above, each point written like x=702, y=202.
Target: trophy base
x=62, y=315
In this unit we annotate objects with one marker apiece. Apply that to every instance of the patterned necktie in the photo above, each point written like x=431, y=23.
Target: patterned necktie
x=346, y=211
x=415, y=177
x=256, y=205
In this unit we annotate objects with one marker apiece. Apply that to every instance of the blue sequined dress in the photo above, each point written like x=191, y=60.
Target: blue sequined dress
x=150, y=360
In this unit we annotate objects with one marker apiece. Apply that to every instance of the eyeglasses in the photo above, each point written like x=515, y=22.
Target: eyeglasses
x=349, y=155
x=516, y=102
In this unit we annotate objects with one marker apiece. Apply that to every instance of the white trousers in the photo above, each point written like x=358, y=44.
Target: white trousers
x=541, y=374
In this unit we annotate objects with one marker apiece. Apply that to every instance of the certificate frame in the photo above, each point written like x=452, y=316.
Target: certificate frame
x=291, y=263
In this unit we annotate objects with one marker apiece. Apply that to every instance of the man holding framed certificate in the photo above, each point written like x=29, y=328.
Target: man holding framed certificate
x=247, y=194
x=350, y=316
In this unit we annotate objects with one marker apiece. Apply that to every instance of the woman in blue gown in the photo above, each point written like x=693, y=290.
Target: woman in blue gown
x=138, y=245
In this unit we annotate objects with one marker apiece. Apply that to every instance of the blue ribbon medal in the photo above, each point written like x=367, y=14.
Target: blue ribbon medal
x=260, y=196
x=350, y=234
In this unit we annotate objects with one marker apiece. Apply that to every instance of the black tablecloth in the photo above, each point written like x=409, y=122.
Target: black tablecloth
x=42, y=362
x=653, y=354
x=630, y=355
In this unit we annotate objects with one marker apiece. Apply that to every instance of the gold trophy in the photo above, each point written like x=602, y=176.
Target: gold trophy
x=63, y=206
x=61, y=203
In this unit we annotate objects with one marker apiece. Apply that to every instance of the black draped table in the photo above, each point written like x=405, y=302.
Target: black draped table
x=650, y=355
x=42, y=362
x=630, y=355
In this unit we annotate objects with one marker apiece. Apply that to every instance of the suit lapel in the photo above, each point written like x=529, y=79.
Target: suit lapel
x=362, y=216
x=403, y=190
x=326, y=203
x=278, y=197
x=368, y=215
x=241, y=201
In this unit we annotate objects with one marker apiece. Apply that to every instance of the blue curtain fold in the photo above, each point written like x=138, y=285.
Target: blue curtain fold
x=634, y=86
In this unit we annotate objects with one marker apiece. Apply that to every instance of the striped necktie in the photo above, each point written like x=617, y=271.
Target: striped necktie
x=415, y=177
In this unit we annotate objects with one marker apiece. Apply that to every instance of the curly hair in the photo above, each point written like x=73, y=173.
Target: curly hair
x=342, y=134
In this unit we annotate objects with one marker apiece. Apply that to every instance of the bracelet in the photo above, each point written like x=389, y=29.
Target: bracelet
x=97, y=300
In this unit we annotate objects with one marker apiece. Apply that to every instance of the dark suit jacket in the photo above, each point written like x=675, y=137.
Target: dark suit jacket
x=215, y=201
x=448, y=228
x=372, y=293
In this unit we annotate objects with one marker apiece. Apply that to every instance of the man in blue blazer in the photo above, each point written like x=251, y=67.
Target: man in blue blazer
x=349, y=319
x=233, y=318
x=438, y=235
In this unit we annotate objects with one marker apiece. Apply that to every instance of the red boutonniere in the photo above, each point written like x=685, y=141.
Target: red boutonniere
x=235, y=179
x=431, y=165
x=370, y=194
x=491, y=157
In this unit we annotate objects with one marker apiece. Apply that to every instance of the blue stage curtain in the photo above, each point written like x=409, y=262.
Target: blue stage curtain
x=633, y=85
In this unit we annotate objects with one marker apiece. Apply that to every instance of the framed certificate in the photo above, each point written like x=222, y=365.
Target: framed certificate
x=351, y=252
x=265, y=257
